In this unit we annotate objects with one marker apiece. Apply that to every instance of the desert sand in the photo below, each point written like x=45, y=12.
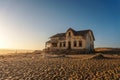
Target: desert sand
x=52, y=67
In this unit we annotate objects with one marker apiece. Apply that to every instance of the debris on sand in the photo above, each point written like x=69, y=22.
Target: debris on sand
x=99, y=56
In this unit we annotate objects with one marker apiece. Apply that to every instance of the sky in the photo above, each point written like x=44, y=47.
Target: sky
x=28, y=24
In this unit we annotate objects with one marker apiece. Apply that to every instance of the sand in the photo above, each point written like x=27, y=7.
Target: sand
x=36, y=67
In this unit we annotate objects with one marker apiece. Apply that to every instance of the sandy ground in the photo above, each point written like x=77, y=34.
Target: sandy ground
x=77, y=67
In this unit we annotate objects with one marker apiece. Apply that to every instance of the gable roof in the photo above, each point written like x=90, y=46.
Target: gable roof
x=76, y=33
x=71, y=30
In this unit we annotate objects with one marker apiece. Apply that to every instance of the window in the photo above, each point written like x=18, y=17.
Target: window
x=60, y=44
x=54, y=44
x=80, y=43
x=69, y=34
x=69, y=45
x=64, y=44
x=75, y=43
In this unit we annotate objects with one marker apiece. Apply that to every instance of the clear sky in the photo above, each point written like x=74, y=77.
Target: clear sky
x=28, y=24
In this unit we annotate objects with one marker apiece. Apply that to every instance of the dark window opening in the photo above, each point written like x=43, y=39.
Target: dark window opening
x=69, y=45
x=54, y=44
x=60, y=44
x=69, y=34
x=75, y=43
x=64, y=44
x=80, y=43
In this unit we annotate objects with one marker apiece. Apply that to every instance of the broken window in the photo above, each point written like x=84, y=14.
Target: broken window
x=69, y=33
x=80, y=43
x=64, y=44
x=60, y=44
x=75, y=43
x=54, y=44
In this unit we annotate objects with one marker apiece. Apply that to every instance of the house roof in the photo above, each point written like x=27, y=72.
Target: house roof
x=58, y=35
x=76, y=33
x=71, y=30
x=52, y=41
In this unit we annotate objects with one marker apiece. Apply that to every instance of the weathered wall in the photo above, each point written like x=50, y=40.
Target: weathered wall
x=87, y=41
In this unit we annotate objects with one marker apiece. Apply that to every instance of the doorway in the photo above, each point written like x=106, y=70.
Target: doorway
x=69, y=45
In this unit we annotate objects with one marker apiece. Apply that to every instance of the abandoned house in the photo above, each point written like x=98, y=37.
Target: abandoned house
x=82, y=40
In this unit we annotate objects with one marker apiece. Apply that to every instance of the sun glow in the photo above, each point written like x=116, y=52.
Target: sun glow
x=4, y=37
x=3, y=44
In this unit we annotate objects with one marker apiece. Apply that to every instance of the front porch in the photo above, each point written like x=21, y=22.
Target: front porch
x=54, y=45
